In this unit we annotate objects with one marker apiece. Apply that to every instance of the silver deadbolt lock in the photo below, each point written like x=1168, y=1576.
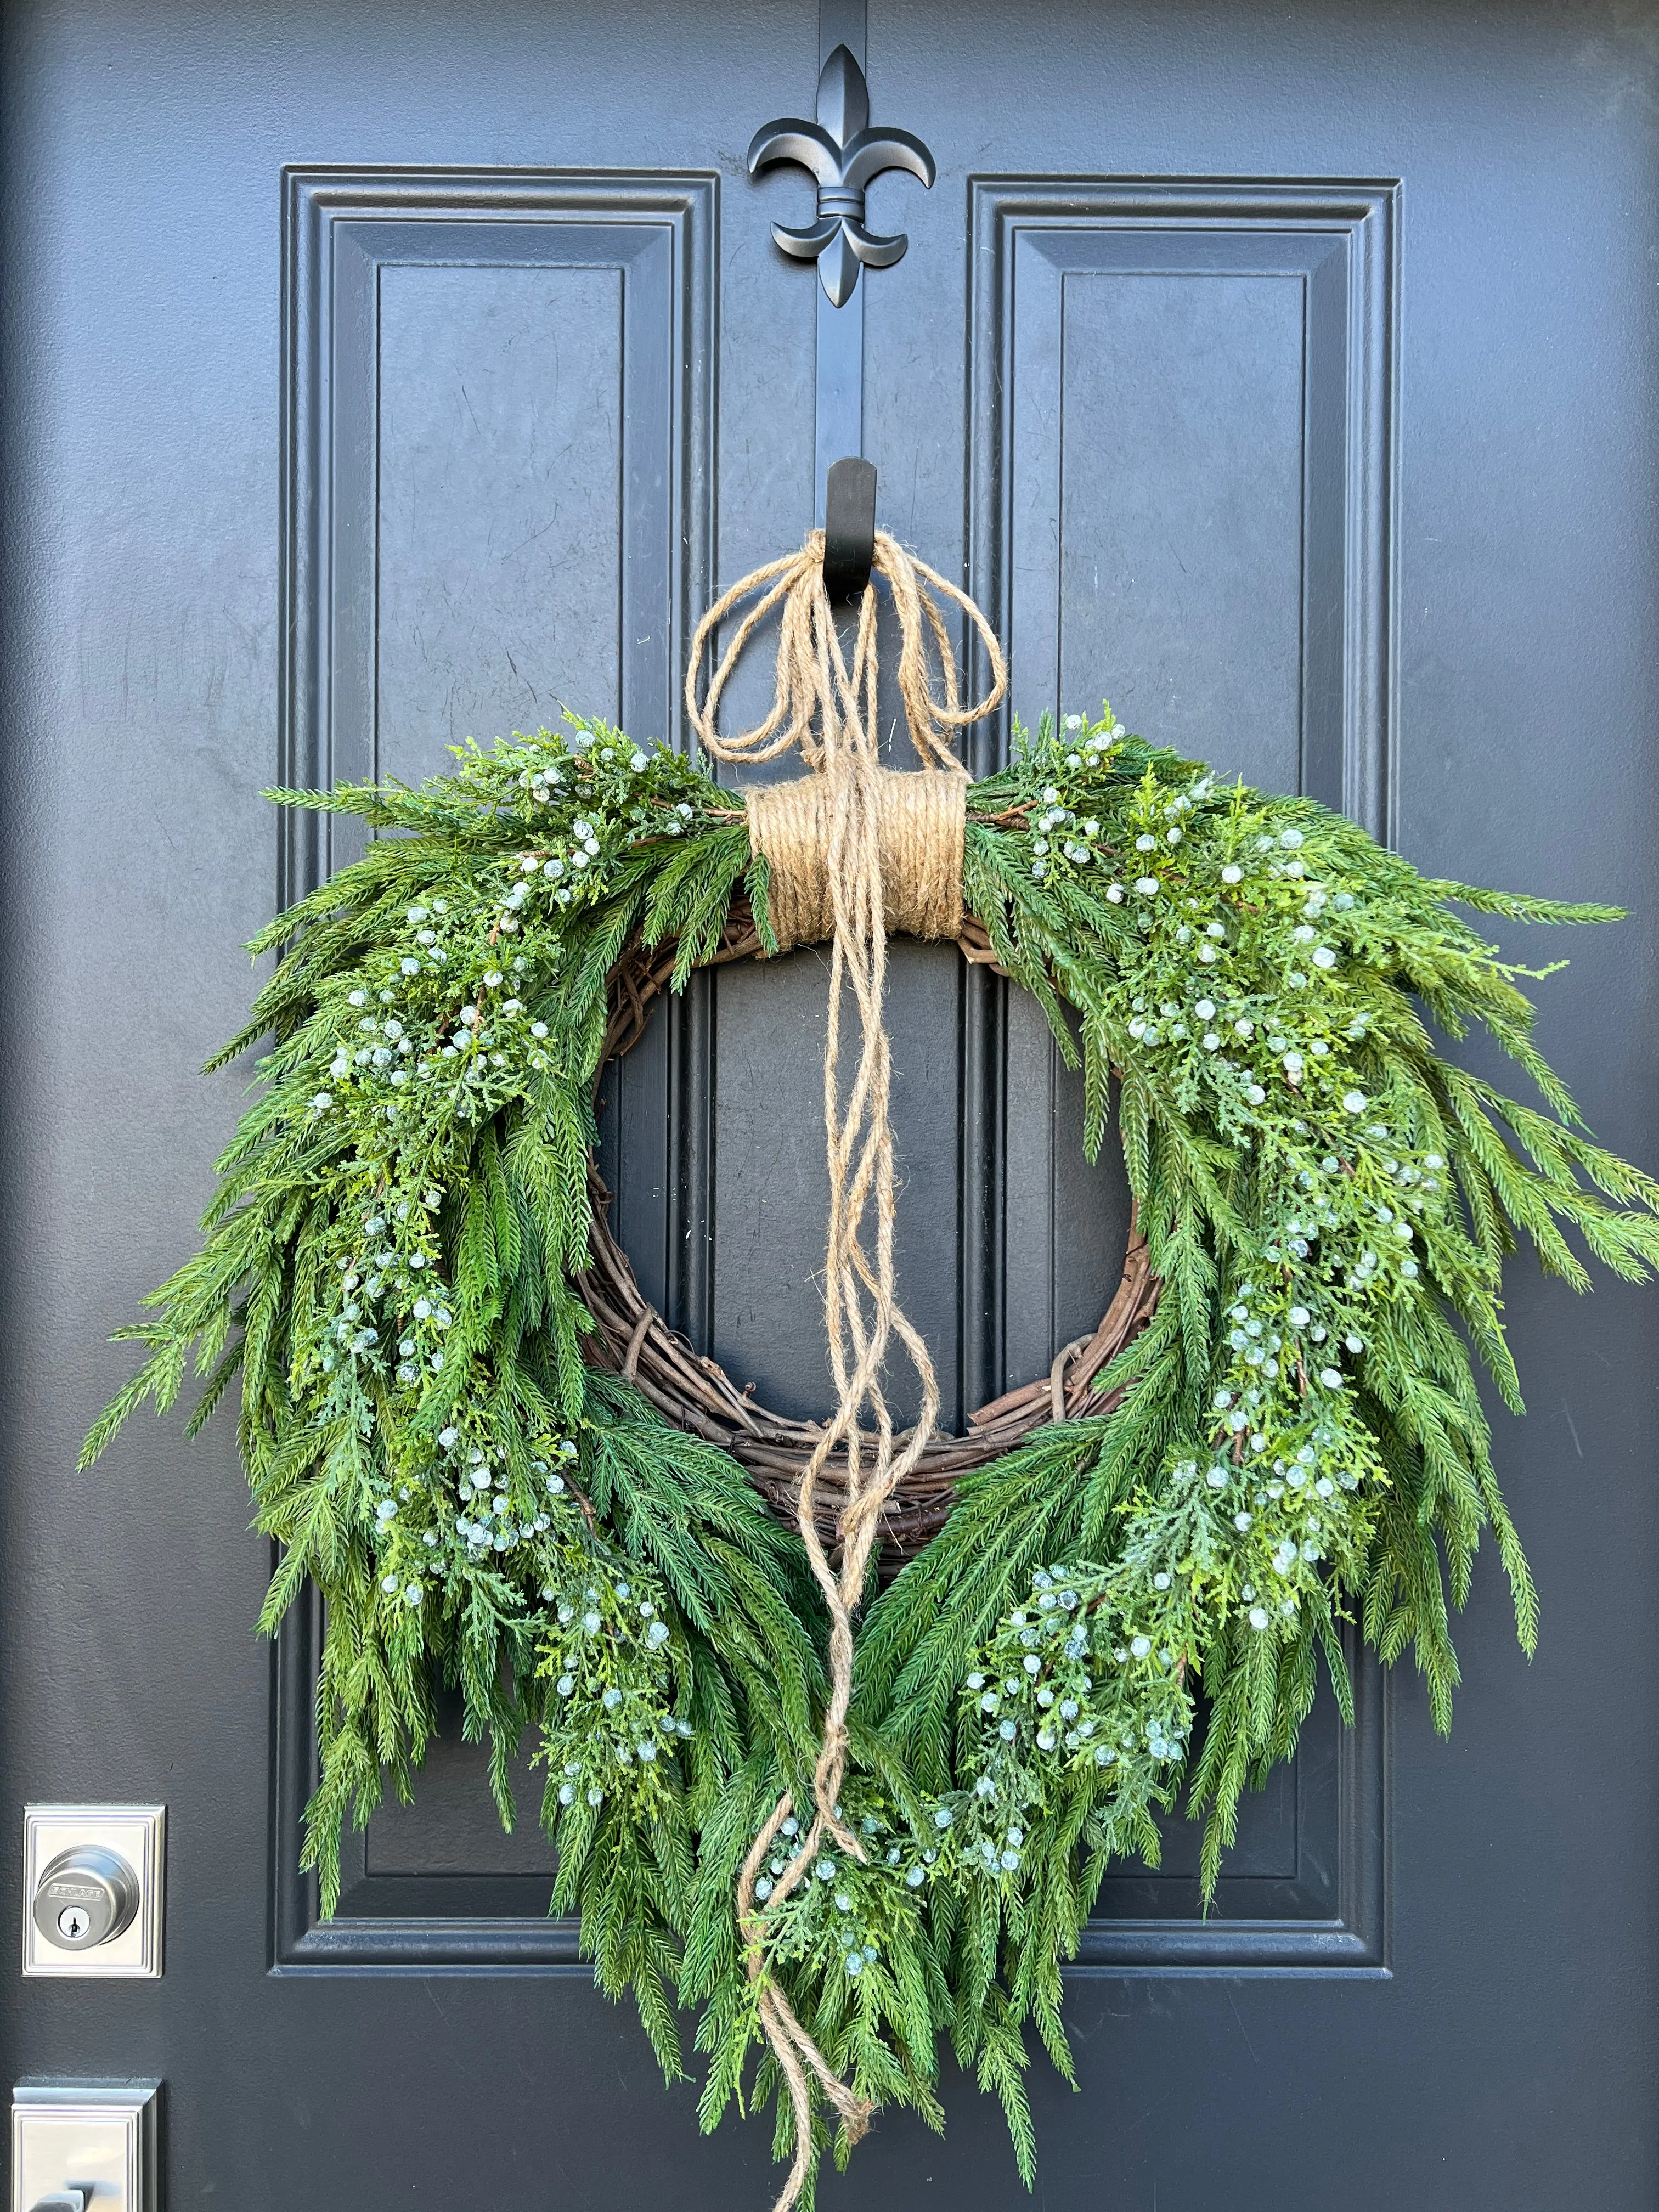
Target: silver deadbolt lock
x=86, y=1896
x=93, y=1877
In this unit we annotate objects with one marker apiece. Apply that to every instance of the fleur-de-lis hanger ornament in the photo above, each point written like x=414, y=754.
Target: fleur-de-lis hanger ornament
x=843, y=153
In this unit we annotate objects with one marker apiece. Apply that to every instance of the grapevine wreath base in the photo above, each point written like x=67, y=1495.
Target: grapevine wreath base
x=694, y=1392
x=843, y=1822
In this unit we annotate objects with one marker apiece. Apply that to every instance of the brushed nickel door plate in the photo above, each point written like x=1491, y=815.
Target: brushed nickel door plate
x=84, y=2147
x=92, y=1879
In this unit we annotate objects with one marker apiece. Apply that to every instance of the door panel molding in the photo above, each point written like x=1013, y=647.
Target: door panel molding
x=343, y=230
x=1340, y=239
x=1322, y=1911
x=346, y=231
x=1306, y=1886
x=1326, y=1911
x=1337, y=244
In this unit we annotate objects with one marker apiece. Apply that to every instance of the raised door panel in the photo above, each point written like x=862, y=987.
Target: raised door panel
x=500, y=407
x=1176, y=420
x=498, y=502
x=500, y=402
x=1181, y=409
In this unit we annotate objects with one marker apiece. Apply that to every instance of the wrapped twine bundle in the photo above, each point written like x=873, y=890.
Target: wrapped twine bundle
x=920, y=819
x=854, y=850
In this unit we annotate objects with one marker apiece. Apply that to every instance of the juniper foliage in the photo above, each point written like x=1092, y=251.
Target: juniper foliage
x=390, y=1270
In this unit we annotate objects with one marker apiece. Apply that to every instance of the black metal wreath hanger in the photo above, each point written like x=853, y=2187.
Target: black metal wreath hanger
x=849, y=529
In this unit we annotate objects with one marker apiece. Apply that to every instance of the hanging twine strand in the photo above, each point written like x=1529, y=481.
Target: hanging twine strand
x=854, y=849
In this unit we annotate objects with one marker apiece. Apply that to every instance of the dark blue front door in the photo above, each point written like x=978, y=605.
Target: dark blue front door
x=378, y=375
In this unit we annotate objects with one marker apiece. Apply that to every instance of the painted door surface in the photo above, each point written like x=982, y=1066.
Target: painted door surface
x=380, y=375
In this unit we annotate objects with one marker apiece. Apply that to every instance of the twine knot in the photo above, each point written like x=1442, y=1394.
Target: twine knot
x=854, y=849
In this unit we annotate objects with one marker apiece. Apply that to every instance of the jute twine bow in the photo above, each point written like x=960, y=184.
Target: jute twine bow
x=853, y=848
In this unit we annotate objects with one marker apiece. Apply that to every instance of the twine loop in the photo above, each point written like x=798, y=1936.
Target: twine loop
x=854, y=849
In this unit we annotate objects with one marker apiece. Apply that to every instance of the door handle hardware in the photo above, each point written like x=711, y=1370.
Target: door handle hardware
x=84, y=2147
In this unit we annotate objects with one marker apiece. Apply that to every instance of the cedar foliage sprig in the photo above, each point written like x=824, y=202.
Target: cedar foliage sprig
x=391, y=1268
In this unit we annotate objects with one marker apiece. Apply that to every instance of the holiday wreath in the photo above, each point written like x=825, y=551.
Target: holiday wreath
x=461, y=1419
